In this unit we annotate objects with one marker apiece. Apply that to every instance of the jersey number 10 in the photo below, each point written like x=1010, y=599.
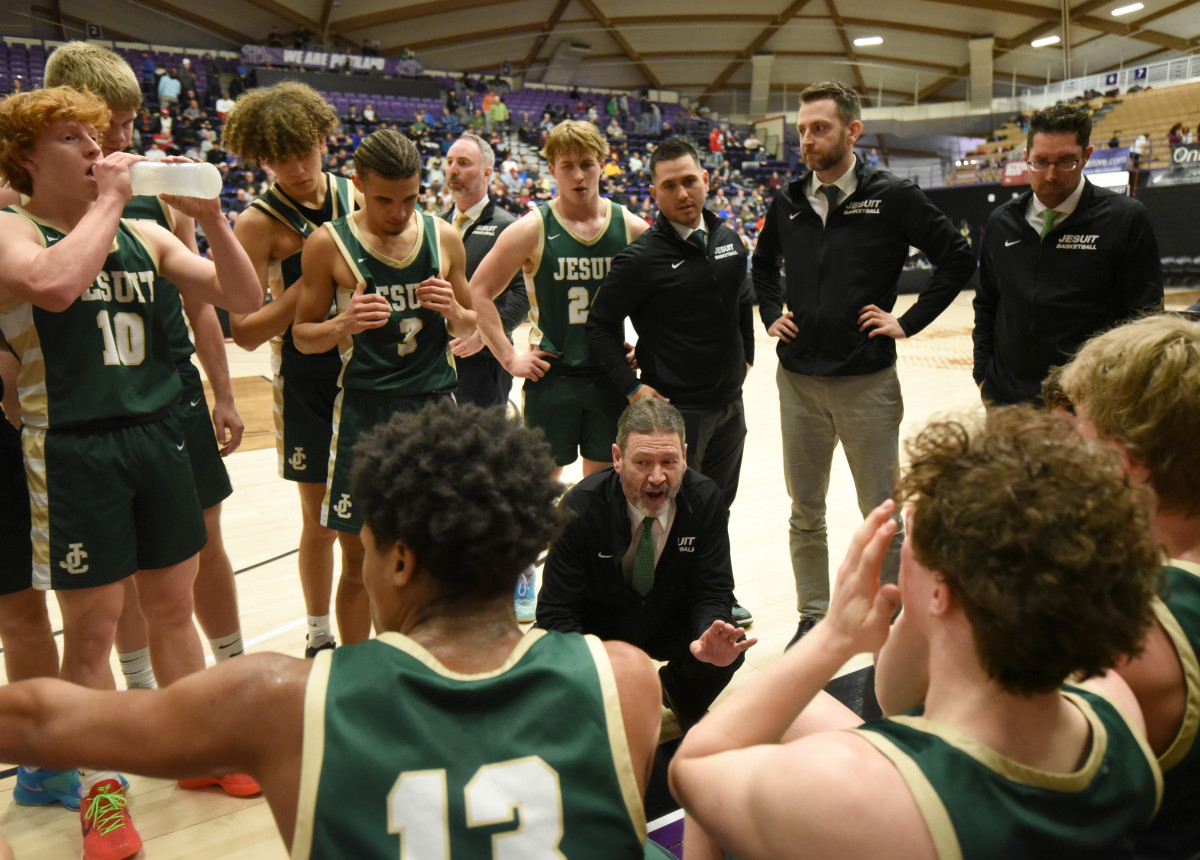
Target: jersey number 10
x=528, y=787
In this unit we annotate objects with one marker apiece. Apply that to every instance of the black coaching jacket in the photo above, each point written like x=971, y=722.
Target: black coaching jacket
x=584, y=588
x=692, y=310
x=1039, y=300
x=513, y=303
x=853, y=260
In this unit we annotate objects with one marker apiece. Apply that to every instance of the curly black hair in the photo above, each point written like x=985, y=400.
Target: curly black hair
x=465, y=488
x=1042, y=539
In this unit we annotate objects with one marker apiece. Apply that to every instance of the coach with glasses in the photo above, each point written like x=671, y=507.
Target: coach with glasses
x=1059, y=263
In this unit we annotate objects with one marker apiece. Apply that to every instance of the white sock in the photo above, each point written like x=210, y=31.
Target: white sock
x=224, y=647
x=135, y=665
x=27, y=769
x=319, y=630
x=89, y=778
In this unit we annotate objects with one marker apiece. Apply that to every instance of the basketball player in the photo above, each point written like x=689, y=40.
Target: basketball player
x=83, y=65
x=284, y=128
x=111, y=490
x=1137, y=387
x=25, y=633
x=564, y=252
x=1029, y=560
x=397, y=278
x=430, y=740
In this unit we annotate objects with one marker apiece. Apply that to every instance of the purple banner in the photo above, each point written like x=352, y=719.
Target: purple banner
x=261, y=55
x=1104, y=160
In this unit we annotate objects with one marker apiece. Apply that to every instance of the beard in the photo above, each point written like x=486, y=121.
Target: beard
x=652, y=499
x=822, y=162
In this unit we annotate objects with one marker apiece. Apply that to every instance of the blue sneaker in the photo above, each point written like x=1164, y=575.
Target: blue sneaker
x=525, y=602
x=43, y=787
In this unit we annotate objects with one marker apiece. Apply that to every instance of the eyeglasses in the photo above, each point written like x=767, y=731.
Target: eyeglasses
x=1064, y=165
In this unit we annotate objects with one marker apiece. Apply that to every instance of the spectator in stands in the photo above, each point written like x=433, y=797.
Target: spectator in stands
x=614, y=130
x=192, y=111
x=224, y=105
x=1114, y=142
x=185, y=75
x=1140, y=148
x=169, y=87
x=212, y=80
x=369, y=112
x=239, y=83
x=656, y=120
x=1058, y=264
x=1175, y=135
x=751, y=143
x=274, y=40
x=498, y=115
x=149, y=77
x=449, y=121
x=18, y=85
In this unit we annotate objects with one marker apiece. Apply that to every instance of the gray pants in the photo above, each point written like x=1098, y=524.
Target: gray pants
x=816, y=412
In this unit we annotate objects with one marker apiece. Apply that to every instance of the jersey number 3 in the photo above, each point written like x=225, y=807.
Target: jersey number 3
x=497, y=793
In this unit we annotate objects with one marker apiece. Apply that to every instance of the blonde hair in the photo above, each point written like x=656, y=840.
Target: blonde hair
x=288, y=120
x=575, y=137
x=23, y=116
x=1139, y=385
x=85, y=66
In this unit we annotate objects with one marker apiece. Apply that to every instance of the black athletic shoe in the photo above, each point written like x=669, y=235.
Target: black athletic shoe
x=806, y=625
x=741, y=616
x=310, y=651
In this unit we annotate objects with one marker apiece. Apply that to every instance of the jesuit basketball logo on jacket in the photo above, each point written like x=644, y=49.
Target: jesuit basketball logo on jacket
x=1077, y=242
x=863, y=207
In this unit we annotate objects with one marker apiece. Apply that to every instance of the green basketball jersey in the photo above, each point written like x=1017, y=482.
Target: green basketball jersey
x=286, y=359
x=1175, y=831
x=978, y=804
x=404, y=758
x=106, y=357
x=179, y=335
x=567, y=274
x=408, y=354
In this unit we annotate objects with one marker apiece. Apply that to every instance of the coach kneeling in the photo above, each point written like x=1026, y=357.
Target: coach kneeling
x=646, y=560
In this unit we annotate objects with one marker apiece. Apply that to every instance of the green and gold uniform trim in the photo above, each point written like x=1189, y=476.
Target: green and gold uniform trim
x=334, y=714
x=1184, y=740
x=175, y=321
x=937, y=819
x=286, y=360
x=1175, y=832
x=409, y=354
x=924, y=752
x=83, y=382
x=566, y=271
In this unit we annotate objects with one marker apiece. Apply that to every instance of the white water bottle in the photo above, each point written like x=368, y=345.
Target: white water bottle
x=185, y=179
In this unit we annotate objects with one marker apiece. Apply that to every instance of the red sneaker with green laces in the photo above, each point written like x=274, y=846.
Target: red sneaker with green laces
x=108, y=832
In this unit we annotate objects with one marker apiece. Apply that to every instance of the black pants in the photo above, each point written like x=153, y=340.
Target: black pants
x=690, y=686
x=482, y=380
x=715, y=440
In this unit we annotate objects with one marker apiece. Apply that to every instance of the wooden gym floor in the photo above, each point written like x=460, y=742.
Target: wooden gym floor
x=262, y=527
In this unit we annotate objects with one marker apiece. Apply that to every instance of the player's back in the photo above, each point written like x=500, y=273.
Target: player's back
x=1175, y=831
x=979, y=805
x=524, y=761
